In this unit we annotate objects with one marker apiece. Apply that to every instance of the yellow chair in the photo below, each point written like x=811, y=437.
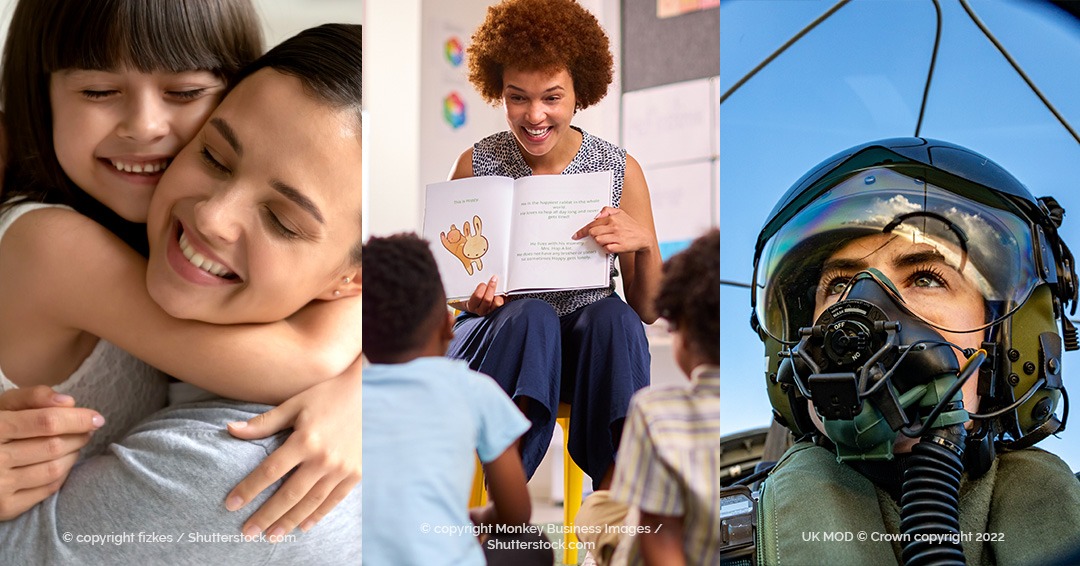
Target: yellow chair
x=573, y=480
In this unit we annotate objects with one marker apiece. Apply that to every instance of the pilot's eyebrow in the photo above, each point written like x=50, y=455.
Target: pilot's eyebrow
x=289, y=192
x=843, y=264
x=917, y=258
x=906, y=260
x=229, y=134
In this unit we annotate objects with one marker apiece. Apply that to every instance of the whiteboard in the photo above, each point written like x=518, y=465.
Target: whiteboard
x=670, y=124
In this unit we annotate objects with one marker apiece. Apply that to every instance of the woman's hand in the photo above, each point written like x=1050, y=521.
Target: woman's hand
x=483, y=300
x=630, y=232
x=324, y=448
x=617, y=232
x=41, y=433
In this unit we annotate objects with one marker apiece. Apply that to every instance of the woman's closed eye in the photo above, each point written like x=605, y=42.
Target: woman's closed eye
x=211, y=161
x=278, y=226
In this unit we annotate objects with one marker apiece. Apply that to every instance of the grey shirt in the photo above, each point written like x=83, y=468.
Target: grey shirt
x=157, y=496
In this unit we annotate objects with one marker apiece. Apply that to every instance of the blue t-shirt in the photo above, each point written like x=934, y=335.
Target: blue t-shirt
x=424, y=423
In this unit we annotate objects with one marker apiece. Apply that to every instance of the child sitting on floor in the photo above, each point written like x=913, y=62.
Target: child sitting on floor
x=668, y=465
x=426, y=418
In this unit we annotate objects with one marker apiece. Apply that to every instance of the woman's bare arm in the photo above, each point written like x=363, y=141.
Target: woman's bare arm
x=641, y=269
x=463, y=166
x=629, y=232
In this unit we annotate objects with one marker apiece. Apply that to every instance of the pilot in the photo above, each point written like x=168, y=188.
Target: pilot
x=912, y=296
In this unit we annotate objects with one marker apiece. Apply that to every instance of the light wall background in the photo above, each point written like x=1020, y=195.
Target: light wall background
x=280, y=18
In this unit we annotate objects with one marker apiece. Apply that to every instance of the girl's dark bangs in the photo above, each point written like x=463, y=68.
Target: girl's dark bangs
x=147, y=36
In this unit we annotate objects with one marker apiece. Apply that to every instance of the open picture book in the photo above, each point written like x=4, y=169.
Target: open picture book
x=519, y=230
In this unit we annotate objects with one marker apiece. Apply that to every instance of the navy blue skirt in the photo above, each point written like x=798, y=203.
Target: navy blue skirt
x=594, y=358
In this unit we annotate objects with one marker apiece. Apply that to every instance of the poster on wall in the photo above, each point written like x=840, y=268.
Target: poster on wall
x=672, y=8
x=452, y=114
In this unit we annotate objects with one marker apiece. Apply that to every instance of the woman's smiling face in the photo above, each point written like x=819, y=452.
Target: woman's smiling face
x=539, y=106
x=257, y=216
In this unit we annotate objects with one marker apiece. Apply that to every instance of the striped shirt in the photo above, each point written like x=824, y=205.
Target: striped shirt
x=669, y=462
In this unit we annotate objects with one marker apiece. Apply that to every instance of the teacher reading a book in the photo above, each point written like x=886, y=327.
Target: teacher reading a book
x=543, y=60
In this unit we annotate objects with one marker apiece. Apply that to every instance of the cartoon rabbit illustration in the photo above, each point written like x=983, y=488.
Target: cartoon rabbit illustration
x=467, y=247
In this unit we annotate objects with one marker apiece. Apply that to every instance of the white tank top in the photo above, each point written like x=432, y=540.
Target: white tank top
x=112, y=382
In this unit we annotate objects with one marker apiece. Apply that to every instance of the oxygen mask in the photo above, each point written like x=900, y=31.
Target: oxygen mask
x=873, y=370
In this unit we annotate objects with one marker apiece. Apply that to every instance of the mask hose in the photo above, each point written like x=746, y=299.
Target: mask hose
x=930, y=492
x=929, y=514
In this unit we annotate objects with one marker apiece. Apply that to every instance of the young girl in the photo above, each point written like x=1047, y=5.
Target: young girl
x=543, y=60
x=99, y=97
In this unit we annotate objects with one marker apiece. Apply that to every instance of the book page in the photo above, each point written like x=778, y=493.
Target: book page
x=467, y=222
x=548, y=209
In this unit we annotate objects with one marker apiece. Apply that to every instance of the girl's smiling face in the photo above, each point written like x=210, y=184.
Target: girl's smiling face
x=115, y=132
x=258, y=215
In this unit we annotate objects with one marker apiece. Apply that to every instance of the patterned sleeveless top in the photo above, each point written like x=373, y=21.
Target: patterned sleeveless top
x=498, y=154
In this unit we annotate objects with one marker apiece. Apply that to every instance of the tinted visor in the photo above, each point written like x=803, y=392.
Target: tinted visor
x=948, y=255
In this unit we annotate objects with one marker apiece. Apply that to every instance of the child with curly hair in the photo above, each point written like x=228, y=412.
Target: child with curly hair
x=668, y=469
x=427, y=419
x=543, y=60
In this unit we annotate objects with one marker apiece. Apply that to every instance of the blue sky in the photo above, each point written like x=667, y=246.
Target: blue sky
x=858, y=77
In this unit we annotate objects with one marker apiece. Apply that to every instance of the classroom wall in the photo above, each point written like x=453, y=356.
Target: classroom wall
x=391, y=116
x=665, y=46
x=670, y=124
x=670, y=114
x=412, y=143
x=664, y=113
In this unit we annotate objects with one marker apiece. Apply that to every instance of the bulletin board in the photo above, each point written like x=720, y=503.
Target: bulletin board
x=658, y=51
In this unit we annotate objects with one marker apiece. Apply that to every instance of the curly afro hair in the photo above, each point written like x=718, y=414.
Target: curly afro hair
x=689, y=296
x=541, y=35
x=403, y=296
